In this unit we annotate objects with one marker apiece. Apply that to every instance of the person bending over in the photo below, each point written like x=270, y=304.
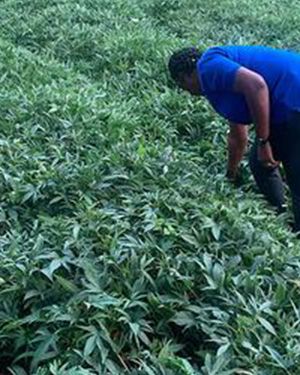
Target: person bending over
x=252, y=84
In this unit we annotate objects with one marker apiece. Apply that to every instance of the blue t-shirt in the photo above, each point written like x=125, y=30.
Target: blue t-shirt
x=281, y=70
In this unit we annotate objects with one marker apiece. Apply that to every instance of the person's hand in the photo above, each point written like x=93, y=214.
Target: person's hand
x=265, y=156
x=234, y=178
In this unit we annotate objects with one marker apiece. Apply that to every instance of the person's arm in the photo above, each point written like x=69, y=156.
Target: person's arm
x=237, y=143
x=256, y=92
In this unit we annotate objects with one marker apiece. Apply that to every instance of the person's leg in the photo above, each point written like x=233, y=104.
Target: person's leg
x=292, y=169
x=291, y=163
x=269, y=181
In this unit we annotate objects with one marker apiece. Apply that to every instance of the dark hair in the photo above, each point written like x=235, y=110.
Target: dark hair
x=183, y=62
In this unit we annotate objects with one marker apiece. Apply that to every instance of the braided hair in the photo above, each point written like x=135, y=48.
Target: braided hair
x=183, y=62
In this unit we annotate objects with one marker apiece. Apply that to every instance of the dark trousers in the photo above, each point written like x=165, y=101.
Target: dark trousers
x=285, y=142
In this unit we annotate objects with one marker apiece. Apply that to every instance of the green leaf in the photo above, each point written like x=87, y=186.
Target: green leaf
x=53, y=266
x=276, y=356
x=267, y=325
x=89, y=346
x=184, y=319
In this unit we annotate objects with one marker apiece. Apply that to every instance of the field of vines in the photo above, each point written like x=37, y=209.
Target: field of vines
x=123, y=249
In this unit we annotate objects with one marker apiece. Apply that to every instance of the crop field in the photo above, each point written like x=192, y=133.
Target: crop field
x=123, y=249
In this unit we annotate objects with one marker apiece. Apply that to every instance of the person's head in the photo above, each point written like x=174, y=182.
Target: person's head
x=183, y=69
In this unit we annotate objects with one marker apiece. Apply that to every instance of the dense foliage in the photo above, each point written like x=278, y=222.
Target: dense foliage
x=123, y=249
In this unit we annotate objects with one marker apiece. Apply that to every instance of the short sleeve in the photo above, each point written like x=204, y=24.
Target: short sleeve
x=217, y=73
